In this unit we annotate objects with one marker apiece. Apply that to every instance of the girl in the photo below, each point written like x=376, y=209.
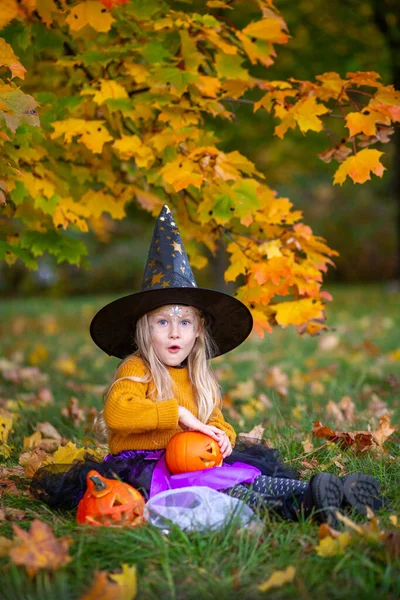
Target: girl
x=165, y=334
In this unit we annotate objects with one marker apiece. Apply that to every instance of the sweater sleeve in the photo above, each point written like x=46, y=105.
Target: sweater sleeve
x=217, y=420
x=128, y=410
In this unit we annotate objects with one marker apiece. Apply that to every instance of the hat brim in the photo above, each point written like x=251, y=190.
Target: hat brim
x=113, y=327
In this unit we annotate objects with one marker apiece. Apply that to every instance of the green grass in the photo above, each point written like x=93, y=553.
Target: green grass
x=360, y=361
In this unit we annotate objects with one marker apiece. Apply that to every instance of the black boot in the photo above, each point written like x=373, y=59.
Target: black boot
x=323, y=498
x=360, y=491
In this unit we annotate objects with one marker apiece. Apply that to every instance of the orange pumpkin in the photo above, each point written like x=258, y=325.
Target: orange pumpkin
x=192, y=451
x=109, y=502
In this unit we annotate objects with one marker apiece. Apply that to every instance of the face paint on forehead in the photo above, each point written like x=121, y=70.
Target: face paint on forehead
x=176, y=311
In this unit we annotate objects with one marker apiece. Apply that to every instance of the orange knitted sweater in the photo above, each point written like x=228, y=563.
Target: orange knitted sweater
x=137, y=422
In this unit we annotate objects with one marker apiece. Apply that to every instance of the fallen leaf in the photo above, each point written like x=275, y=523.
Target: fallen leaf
x=278, y=579
x=343, y=411
x=102, y=588
x=6, y=424
x=255, y=434
x=243, y=390
x=359, y=441
x=32, y=461
x=329, y=546
x=325, y=530
x=73, y=413
x=33, y=441
x=307, y=444
x=127, y=581
x=38, y=548
x=376, y=406
x=384, y=430
x=48, y=430
x=65, y=365
x=277, y=380
x=12, y=514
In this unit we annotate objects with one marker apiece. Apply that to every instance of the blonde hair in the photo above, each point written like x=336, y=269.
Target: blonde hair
x=206, y=387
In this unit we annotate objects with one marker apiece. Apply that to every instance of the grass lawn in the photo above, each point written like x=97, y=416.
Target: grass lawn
x=283, y=382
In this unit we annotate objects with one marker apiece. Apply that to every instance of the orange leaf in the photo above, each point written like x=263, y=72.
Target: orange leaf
x=105, y=589
x=359, y=167
x=38, y=548
x=359, y=440
x=260, y=323
x=365, y=121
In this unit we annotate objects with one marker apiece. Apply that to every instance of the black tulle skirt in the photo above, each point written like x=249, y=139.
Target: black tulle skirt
x=62, y=486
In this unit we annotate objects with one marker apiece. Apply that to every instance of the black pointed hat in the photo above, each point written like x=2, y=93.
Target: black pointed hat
x=168, y=279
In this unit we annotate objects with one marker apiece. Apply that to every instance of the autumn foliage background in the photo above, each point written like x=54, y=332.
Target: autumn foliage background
x=267, y=128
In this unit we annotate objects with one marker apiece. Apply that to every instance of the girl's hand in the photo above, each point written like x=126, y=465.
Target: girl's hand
x=224, y=443
x=188, y=422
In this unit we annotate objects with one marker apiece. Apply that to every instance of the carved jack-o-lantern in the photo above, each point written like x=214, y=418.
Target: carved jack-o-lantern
x=109, y=502
x=192, y=451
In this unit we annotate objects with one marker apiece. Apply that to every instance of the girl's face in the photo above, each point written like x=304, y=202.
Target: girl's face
x=173, y=330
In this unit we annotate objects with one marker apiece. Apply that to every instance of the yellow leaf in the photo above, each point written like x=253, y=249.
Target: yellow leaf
x=90, y=13
x=359, y=167
x=132, y=146
x=208, y=86
x=148, y=201
x=332, y=85
x=269, y=29
x=331, y=547
x=108, y=89
x=140, y=73
x=243, y=390
x=8, y=58
x=298, y=311
x=305, y=113
x=91, y=133
x=33, y=441
x=97, y=203
x=278, y=579
x=38, y=354
x=271, y=248
x=127, y=582
x=38, y=186
x=365, y=121
x=5, y=450
x=69, y=453
x=65, y=365
x=6, y=424
x=9, y=11
x=181, y=173
x=45, y=8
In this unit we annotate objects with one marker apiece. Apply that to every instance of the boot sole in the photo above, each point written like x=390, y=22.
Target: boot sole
x=327, y=490
x=361, y=491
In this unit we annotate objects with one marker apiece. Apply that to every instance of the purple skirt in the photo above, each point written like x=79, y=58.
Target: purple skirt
x=62, y=486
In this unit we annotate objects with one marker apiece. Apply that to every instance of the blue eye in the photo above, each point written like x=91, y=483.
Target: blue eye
x=162, y=321
x=185, y=323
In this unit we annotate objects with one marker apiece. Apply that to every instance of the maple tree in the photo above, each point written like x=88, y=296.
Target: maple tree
x=126, y=89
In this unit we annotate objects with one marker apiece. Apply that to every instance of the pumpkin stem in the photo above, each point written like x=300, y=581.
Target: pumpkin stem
x=98, y=483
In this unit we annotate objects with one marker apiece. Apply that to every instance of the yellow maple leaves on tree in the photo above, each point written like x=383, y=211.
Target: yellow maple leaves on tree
x=124, y=118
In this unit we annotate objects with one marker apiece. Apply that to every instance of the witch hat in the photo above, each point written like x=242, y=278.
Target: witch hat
x=168, y=279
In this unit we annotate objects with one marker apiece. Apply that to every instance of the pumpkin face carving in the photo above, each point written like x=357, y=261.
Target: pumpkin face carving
x=109, y=502
x=192, y=451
